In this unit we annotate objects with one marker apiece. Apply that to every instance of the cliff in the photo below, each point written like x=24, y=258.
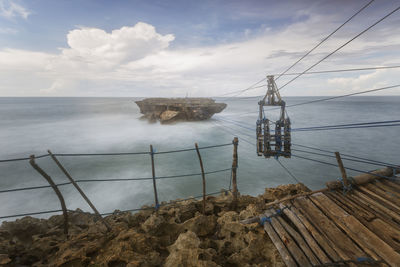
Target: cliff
x=169, y=110
x=177, y=235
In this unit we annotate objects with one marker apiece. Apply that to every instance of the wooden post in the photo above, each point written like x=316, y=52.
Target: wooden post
x=203, y=177
x=234, y=168
x=154, y=178
x=56, y=190
x=342, y=170
x=79, y=189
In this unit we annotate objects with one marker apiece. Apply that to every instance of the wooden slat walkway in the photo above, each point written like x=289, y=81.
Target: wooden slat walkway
x=359, y=228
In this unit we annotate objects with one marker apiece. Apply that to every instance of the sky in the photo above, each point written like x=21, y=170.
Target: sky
x=177, y=48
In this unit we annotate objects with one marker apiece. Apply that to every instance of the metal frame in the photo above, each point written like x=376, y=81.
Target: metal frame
x=271, y=144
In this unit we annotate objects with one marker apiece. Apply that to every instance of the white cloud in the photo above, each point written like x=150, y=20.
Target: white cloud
x=7, y=30
x=137, y=61
x=119, y=46
x=9, y=10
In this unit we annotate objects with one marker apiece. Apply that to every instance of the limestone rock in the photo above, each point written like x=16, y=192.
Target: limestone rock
x=201, y=225
x=177, y=234
x=186, y=252
x=168, y=115
x=282, y=191
x=170, y=110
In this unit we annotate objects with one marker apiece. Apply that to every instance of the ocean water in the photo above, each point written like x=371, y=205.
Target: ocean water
x=105, y=125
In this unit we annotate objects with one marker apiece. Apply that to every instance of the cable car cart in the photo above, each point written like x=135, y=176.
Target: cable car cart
x=271, y=144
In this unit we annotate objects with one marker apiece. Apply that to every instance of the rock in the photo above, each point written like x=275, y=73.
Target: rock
x=186, y=252
x=282, y=191
x=169, y=110
x=178, y=234
x=201, y=225
x=4, y=259
x=168, y=115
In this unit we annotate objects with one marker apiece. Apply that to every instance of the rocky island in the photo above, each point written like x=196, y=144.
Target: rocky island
x=170, y=110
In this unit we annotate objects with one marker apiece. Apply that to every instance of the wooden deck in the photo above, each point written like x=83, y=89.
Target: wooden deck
x=359, y=228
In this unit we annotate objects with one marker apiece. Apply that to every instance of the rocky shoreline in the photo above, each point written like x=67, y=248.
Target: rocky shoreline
x=171, y=110
x=177, y=235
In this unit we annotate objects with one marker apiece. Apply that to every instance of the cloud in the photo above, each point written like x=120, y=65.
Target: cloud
x=10, y=10
x=120, y=46
x=139, y=61
x=7, y=30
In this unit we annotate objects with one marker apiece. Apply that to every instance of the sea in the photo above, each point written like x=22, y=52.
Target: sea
x=32, y=126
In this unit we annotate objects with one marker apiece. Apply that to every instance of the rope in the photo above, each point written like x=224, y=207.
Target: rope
x=344, y=158
x=113, y=180
x=326, y=38
x=100, y=154
x=29, y=214
x=340, y=47
x=112, y=154
x=277, y=213
x=31, y=188
x=190, y=149
x=21, y=159
x=348, y=168
x=347, y=188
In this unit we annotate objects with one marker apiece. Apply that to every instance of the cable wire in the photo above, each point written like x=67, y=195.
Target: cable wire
x=309, y=73
x=326, y=38
x=287, y=170
x=341, y=70
x=348, y=155
x=340, y=47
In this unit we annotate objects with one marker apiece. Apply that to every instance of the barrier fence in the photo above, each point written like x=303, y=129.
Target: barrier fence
x=154, y=179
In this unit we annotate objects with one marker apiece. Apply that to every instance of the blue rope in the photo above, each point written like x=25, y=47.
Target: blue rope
x=346, y=189
x=265, y=219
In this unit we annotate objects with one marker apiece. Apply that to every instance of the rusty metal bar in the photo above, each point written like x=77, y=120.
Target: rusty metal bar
x=79, y=189
x=55, y=188
x=203, y=177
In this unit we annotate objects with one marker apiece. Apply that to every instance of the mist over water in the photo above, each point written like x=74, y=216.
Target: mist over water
x=105, y=125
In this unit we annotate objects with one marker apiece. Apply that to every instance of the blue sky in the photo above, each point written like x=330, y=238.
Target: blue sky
x=96, y=48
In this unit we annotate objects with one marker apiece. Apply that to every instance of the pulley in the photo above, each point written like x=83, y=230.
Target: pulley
x=277, y=143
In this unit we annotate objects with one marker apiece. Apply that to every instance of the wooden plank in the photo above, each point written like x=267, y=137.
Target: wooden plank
x=291, y=245
x=319, y=253
x=388, y=189
x=376, y=205
x=382, y=229
x=300, y=241
x=364, y=237
x=286, y=257
x=380, y=199
x=342, y=244
x=346, y=201
x=322, y=241
x=393, y=199
x=384, y=213
x=391, y=184
x=327, y=206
